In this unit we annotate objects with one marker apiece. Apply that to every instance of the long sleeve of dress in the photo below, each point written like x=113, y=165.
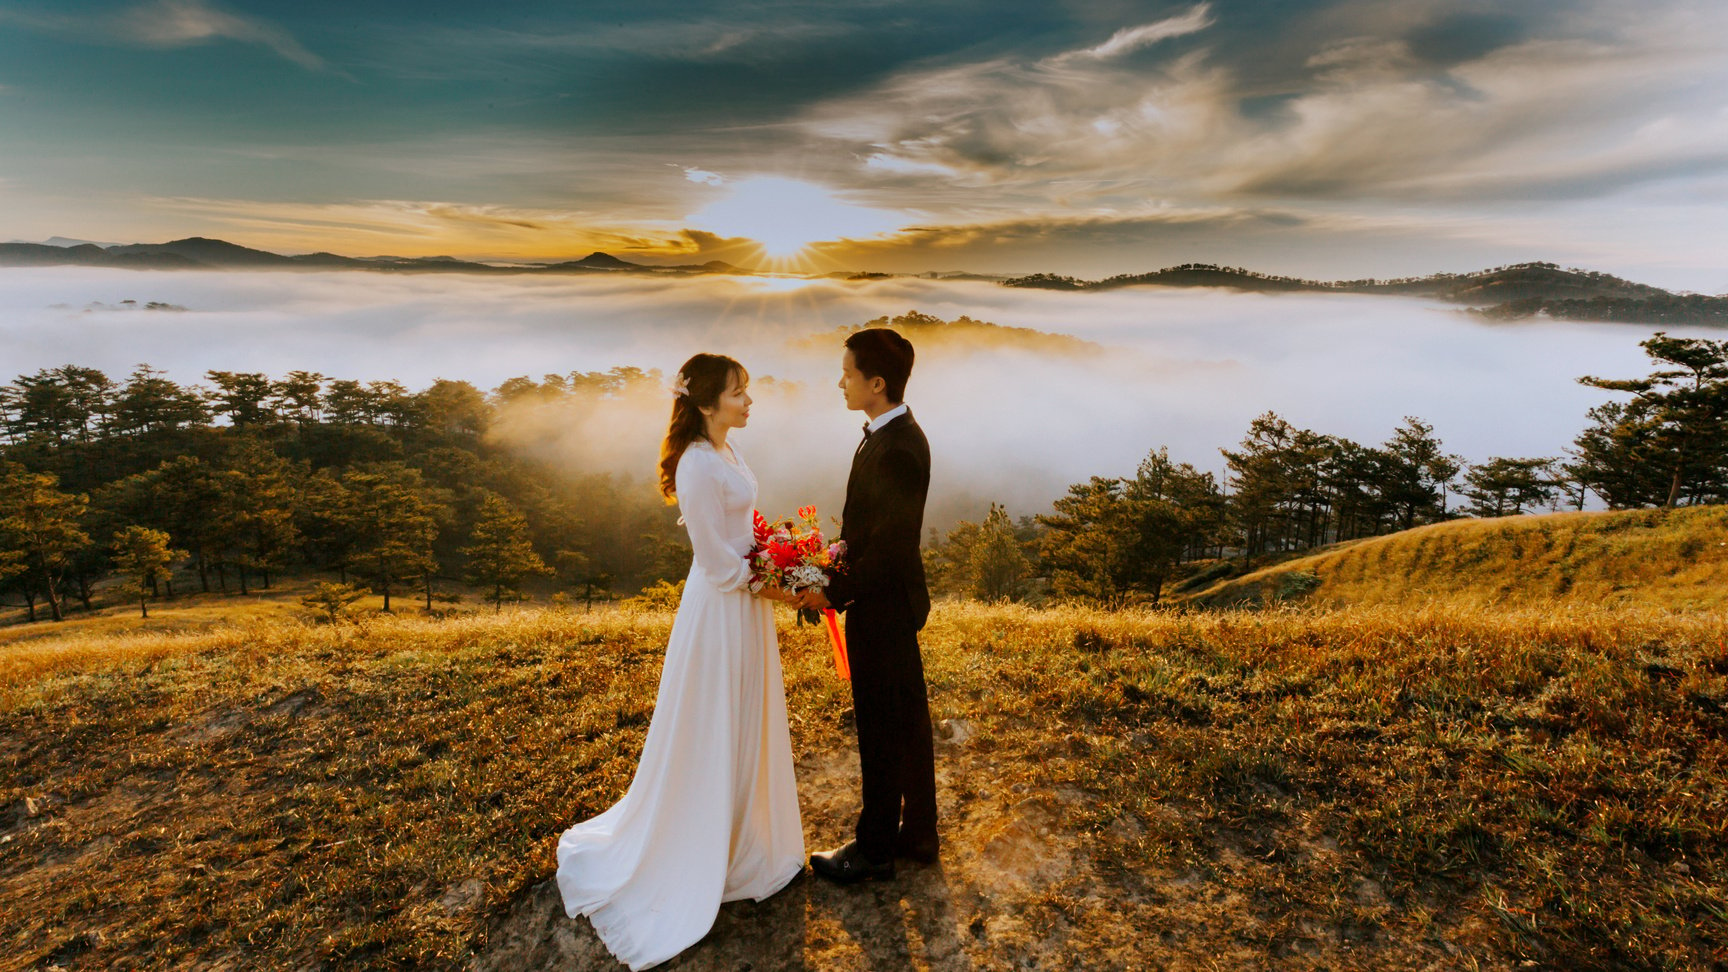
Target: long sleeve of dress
x=700, y=500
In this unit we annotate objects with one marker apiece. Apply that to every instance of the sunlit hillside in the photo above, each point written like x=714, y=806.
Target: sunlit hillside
x=1671, y=559
x=1370, y=788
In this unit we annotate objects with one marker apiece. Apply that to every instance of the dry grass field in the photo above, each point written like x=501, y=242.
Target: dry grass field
x=1364, y=788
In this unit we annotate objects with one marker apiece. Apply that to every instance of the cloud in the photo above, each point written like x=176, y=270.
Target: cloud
x=475, y=52
x=170, y=24
x=1412, y=108
x=1457, y=37
x=431, y=228
x=408, y=228
x=704, y=177
x=174, y=23
x=1134, y=38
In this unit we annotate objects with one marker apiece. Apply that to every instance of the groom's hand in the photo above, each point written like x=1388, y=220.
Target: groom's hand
x=815, y=600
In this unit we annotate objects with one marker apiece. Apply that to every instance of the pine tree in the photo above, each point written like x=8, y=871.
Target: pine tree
x=1417, y=474
x=393, y=517
x=999, y=567
x=152, y=403
x=331, y=601
x=1507, y=487
x=1676, y=425
x=143, y=556
x=1173, y=510
x=499, y=554
x=184, y=497
x=1089, y=540
x=1262, y=484
x=39, y=525
x=243, y=396
x=257, y=502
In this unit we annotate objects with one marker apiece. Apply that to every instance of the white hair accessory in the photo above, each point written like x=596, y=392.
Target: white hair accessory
x=680, y=386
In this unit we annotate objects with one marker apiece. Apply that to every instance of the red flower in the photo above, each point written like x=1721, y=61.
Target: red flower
x=785, y=555
x=807, y=512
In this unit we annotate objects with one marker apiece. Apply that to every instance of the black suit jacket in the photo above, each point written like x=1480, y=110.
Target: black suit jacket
x=882, y=523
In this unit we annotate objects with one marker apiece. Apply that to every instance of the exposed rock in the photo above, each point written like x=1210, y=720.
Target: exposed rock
x=1025, y=852
x=1369, y=893
x=537, y=935
x=462, y=896
x=1126, y=826
x=292, y=705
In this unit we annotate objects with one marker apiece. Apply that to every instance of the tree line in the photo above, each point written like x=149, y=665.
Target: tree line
x=155, y=485
x=1288, y=489
x=224, y=486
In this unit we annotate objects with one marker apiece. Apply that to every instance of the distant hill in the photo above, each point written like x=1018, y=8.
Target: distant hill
x=1515, y=292
x=1484, y=287
x=596, y=261
x=927, y=330
x=329, y=260
x=1666, y=309
x=48, y=255
x=606, y=262
x=201, y=253
x=964, y=275
x=1672, y=559
x=65, y=241
x=208, y=252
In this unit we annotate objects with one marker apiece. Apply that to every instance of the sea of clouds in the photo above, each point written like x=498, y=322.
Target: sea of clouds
x=1007, y=422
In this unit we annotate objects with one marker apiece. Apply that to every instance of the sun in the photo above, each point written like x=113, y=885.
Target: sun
x=786, y=216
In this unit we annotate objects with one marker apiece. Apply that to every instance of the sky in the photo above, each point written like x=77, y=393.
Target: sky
x=1322, y=138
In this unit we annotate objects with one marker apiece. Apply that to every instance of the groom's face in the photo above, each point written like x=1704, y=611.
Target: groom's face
x=860, y=391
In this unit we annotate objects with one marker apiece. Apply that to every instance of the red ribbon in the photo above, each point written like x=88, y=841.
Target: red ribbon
x=837, y=638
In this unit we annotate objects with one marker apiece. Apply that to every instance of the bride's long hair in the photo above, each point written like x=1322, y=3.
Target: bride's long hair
x=700, y=383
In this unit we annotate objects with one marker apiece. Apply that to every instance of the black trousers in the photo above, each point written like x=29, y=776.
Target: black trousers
x=896, y=754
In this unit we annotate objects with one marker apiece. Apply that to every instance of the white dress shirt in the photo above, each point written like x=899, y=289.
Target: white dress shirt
x=876, y=423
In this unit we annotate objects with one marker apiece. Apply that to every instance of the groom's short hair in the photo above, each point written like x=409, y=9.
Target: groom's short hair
x=881, y=353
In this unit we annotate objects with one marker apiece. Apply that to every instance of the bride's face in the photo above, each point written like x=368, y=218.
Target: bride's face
x=732, y=409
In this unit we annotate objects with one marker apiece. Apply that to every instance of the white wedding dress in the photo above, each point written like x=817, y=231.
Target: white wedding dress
x=712, y=813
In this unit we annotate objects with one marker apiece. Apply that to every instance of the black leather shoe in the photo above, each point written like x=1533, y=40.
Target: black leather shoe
x=917, y=851
x=848, y=865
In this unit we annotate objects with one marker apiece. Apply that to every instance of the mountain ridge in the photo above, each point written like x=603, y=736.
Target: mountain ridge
x=1519, y=291
x=1514, y=292
x=198, y=252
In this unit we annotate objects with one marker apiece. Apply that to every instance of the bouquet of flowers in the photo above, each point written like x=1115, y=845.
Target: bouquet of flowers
x=792, y=553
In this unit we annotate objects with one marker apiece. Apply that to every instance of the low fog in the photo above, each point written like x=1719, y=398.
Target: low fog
x=1008, y=421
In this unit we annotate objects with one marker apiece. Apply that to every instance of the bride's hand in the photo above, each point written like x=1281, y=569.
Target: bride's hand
x=773, y=592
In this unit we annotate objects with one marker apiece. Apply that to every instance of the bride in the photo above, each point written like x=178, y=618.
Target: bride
x=712, y=813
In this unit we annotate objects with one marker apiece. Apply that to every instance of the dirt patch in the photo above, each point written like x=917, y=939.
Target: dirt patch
x=1019, y=885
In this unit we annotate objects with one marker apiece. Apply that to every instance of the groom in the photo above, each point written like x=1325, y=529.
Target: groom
x=882, y=591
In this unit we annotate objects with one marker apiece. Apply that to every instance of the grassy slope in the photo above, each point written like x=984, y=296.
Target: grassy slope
x=1368, y=788
x=1675, y=559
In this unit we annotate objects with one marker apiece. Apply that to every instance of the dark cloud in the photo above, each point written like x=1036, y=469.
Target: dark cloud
x=164, y=24
x=1457, y=38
